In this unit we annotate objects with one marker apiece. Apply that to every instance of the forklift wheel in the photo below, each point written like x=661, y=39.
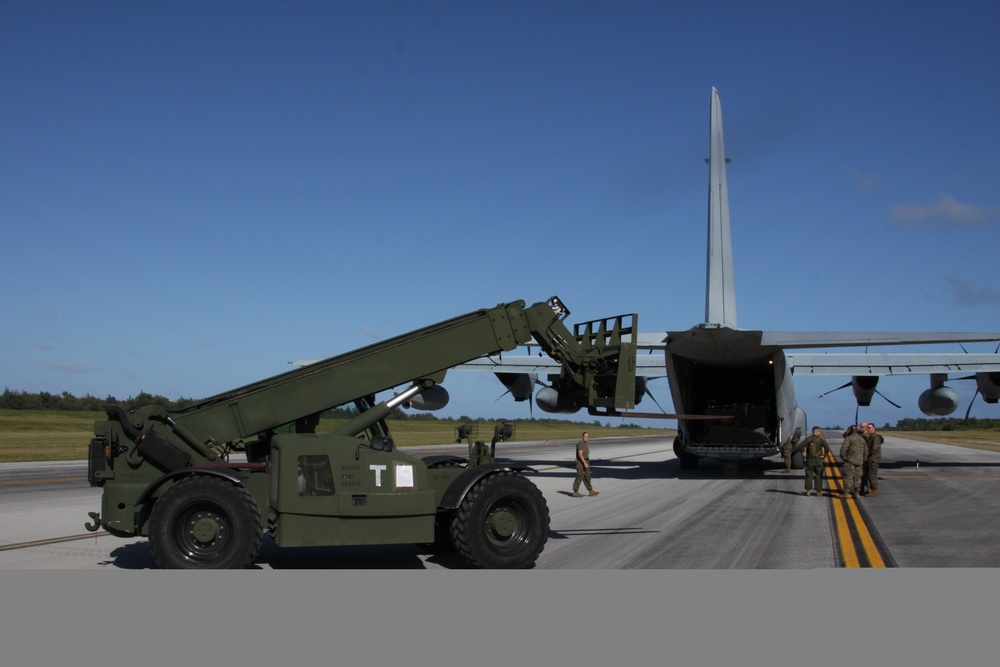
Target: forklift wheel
x=205, y=522
x=503, y=522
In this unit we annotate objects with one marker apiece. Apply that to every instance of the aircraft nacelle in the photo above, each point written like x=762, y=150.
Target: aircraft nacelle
x=520, y=385
x=938, y=401
x=864, y=388
x=550, y=400
x=989, y=386
x=432, y=398
x=640, y=388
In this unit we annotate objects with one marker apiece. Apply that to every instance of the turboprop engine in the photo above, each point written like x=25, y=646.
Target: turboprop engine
x=550, y=400
x=520, y=385
x=939, y=400
x=864, y=388
x=989, y=386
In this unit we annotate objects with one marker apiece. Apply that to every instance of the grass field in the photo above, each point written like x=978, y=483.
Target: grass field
x=29, y=435
x=988, y=440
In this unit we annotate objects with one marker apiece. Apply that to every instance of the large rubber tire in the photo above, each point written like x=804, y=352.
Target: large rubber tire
x=503, y=522
x=442, y=521
x=205, y=522
x=442, y=534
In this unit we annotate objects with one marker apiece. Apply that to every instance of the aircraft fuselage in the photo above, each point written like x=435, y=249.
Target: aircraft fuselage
x=741, y=390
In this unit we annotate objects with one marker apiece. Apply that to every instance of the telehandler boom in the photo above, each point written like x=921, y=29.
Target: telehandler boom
x=170, y=474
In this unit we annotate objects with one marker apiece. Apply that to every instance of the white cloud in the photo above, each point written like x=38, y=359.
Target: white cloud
x=945, y=211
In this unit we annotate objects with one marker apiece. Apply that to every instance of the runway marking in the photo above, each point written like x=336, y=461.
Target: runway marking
x=51, y=540
x=853, y=527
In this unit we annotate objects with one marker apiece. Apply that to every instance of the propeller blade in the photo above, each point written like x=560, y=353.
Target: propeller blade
x=650, y=394
x=884, y=396
x=843, y=386
x=970, y=404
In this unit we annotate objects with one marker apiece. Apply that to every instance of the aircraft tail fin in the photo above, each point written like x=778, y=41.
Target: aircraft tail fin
x=720, y=301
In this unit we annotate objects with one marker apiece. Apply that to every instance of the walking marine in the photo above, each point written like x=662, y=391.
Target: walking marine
x=814, y=451
x=583, y=467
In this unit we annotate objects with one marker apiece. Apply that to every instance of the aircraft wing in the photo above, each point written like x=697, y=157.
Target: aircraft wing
x=872, y=363
x=806, y=339
x=891, y=364
x=646, y=365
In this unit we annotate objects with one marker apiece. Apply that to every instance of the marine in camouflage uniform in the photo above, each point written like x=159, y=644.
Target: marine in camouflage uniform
x=786, y=454
x=853, y=453
x=869, y=478
x=583, y=467
x=814, y=450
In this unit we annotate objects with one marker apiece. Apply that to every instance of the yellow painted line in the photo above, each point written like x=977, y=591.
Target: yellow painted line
x=867, y=542
x=848, y=554
x=846, y=513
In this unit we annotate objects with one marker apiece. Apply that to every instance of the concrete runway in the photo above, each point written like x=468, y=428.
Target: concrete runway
x=682, y=567
x=651, y=515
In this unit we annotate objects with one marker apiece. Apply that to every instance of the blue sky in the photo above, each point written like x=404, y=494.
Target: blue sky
x=194, y=193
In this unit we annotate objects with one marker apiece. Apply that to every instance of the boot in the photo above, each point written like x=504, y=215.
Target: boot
x=577, y=494
x=594, y=493
x=809, y=492
x=872, y=494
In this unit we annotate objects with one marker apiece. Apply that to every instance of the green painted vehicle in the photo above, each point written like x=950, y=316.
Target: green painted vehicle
x=205, y=482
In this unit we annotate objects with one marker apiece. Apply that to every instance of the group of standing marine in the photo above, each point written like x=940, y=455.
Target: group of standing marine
x=860, y=452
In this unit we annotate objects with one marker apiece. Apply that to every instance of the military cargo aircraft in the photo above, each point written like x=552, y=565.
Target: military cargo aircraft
x=732, y=388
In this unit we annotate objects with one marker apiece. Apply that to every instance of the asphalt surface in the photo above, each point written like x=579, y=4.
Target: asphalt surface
x=944, y=513
x=665, y=566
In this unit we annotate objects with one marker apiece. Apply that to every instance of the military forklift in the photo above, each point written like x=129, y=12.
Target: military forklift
x=205, y=482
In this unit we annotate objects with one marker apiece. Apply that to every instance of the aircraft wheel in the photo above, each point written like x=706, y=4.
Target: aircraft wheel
x=205, y=522
x=503, y=522
x=687, y=461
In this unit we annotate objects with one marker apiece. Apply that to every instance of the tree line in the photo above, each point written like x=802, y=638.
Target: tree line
x=946, y=424
x=43, y=400
x=23, y=400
